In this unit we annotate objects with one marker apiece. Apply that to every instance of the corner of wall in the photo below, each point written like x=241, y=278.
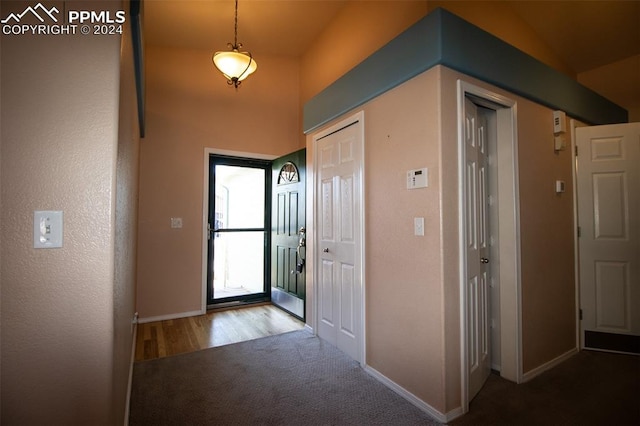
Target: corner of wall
x=125, y=229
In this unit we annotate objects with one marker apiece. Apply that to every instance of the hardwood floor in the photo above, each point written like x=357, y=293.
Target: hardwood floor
x=216, y=328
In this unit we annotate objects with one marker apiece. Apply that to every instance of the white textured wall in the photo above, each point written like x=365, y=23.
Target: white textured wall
x=59, y=145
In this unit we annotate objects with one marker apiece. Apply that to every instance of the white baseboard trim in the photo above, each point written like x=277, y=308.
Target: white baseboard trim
x=170, y=316
x=548, y=365
x=309, y=328
x=454, y=414
x=442, y=418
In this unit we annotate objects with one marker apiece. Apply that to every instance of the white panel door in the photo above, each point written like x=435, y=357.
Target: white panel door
x=477, y=248
x=608, y=176
x=339, y=212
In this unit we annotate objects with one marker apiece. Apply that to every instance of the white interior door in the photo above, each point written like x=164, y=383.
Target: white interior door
x=608, y=183
x=339, y=237
x=477, y=247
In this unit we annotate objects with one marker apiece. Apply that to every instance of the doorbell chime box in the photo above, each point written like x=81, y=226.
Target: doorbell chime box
x=559, y=122
x=418, y=178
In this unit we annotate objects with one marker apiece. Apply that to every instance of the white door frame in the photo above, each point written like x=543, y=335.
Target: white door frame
x=573, y=125
x=313, y=269
x=508, y=233
x=205, y=209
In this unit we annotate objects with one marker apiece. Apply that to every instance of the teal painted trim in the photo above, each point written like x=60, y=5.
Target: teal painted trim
x=477, y=53
x=443, y=38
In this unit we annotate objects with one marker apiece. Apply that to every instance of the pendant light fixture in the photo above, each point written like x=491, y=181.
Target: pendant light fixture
x=233, y=64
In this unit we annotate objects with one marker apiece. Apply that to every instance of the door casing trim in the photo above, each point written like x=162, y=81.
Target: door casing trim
x=573, y=125
x=509, y=234
x=205, y=208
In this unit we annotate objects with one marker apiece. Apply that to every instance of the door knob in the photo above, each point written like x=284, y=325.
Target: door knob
x=326, y=250
x=484, y=260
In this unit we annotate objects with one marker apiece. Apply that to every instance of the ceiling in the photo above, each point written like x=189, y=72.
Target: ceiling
x=278, y=27
x=587, y=35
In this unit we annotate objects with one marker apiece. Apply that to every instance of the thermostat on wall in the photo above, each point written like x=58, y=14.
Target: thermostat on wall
x=418, y=178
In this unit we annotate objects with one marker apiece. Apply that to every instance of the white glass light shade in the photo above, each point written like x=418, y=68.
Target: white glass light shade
x=234, y=64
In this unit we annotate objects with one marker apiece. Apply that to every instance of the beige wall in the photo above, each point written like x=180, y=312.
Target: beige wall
x=546, y=237
x=404, y=285
x=622, y=79
x=189, y=108
x=65, y=351
x=359, y=29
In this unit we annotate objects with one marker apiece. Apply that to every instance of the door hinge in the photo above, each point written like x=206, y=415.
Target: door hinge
x=579, y=232
x=576, y=151
x=580, y=314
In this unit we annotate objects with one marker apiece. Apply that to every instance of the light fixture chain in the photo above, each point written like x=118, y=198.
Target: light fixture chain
x=236, y=28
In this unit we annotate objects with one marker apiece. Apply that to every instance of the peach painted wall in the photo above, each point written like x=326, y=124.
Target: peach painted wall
x=64, y=354
x=189, y=108
x=504, y=23
x=546, y=236
x=359, y=29
x=404, y=283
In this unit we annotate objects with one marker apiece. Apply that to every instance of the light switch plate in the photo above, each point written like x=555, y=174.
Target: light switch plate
x=418, y=226
x=47, y=229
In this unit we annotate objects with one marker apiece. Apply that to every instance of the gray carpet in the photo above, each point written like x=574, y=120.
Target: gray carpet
x=589, y=389
x=289, y=379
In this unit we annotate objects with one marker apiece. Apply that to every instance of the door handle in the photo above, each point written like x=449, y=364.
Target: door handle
x=326, y=250
x=302, y=244
x=484, y=260
x=303, y=237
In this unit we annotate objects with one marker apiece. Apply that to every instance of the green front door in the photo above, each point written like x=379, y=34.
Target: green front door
x=288, y=233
